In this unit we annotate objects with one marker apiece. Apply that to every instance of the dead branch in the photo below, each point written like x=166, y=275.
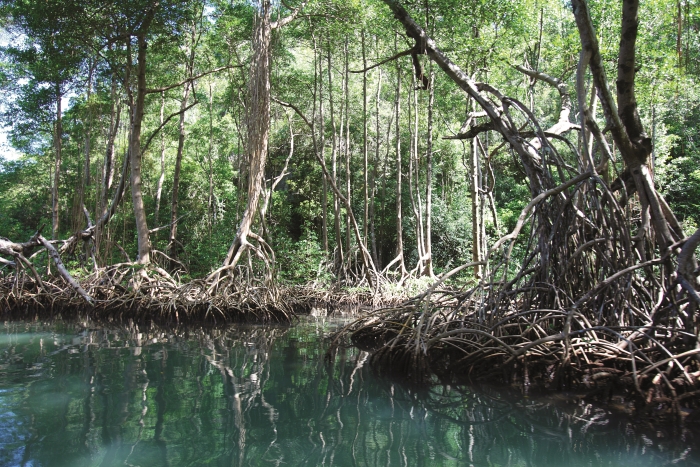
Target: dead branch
x=62, y=269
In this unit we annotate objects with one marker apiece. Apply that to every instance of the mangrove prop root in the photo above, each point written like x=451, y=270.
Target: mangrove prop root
x=147, y=294
x=578, y=311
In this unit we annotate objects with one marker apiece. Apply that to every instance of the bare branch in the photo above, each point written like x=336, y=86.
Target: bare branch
x=473, y=131
x=559, y=85
x=288, y=19
x=530, y=206
x=62, y=269
x=589, y=43
x=686, y=264
x=190, y=79
x=295, y=109
x=398, y=55
x=162, y=227
x=160, y=127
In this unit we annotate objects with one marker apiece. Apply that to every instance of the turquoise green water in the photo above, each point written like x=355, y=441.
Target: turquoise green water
x=71, y=396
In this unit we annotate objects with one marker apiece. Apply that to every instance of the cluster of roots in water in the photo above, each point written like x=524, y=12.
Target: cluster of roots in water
x=144, y=294
x=589, y=306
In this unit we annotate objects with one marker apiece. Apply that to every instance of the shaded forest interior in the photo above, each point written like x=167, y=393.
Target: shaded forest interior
x=515, y=184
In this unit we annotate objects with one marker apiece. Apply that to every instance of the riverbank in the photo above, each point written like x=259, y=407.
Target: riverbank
x=169, y=303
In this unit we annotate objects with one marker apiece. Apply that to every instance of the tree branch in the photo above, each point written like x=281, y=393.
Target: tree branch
x=473, y=131
x=190, y=79
x=288, y=19
x=556, y=83
x=62, y=269
x=398, y=55
x=686, y=263
x=589, y=43
x=295, y=109
x=160, y=127
x=526, y=210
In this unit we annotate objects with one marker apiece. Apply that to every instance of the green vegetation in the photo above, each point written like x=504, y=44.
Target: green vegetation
x=79, y=56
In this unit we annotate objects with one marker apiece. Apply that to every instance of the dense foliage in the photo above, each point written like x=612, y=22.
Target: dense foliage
x=69, y=79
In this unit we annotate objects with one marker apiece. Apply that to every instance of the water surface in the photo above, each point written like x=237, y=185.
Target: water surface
x=77, y=395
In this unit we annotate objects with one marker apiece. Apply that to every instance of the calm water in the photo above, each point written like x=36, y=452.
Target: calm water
x=247, y=396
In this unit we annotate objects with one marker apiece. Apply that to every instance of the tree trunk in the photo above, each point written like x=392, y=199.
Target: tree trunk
x=189, y=71
x=414, y=179
x=88, y=132
x=399, y=215
x=137, y=112
x=108, y=166
x=210, y=160
x=477, y=217
x=58, y=132
x=318, y=82
x=373, y=181
x=161, y=177
x=108, y=163
x=334, y=167
x=258, y=127
x=81, y=193
x=623, y=117
x=348, y=173
x=175, y=202
x=428, y=271
x=365, y=163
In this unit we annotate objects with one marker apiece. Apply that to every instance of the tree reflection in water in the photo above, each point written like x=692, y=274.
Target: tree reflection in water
x=261, y=395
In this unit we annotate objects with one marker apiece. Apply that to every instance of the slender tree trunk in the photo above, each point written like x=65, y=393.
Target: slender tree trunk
x=428, y=271
x=240, y=165
x=365, y=163
x=210, y=160
x=399, y=211
x=318, y=81
x=348, y=173
x=58, y=133
x=477, y=217
x=175, y=202
x=413, y=172
x=679, y=33
x=334, y=166
x=416, y=166
x=80, y=210
x=161, y=177
x=108, y=163
x=88, y=141
x=108, y=166
x=373, y=181
x=381, y=234
x=174, y=206
x=137, y=112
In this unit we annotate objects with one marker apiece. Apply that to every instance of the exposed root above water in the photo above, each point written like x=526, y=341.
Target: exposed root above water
x=156, y=301
x=141, y=293
x=581, y=311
